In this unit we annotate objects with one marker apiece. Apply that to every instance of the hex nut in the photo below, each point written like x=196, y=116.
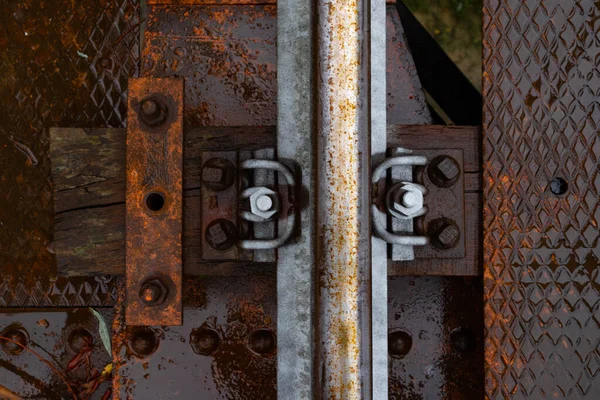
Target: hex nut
x=258, y=203
x=399, y=197
x=153, y=112
x=153, y=292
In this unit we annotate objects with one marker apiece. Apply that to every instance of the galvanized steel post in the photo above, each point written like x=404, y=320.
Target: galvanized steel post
x=345, y=358
x=296, y=266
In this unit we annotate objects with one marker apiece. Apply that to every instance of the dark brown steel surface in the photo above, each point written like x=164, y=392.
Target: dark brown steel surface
x=57, y=335
x=63, y=64
x=541, y=250
x=241, y=311
x=435, y=338
x=226, y=53
x=154, y=233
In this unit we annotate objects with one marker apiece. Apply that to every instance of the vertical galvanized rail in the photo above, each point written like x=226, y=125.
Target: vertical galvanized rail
x=296, y=267
x=344, y=121
x=350, y=342
x=379, y=259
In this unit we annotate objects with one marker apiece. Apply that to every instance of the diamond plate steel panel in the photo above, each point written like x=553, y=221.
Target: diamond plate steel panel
x=541, y=117
x=63, y=64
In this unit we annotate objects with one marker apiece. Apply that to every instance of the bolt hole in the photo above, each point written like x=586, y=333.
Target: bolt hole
x=155, y=201
x=262, y=341
x=559, y=186
x=399, y=344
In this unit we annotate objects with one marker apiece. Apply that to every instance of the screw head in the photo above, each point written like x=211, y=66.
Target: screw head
x=142, y=342
x=153, y=292
x=444, y=233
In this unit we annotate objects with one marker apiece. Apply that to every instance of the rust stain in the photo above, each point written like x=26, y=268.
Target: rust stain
x=154, y=200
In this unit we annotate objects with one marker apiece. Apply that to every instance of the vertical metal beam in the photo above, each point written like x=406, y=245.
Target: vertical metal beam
x=344, y=117
x=296, y=265
x=379, y=259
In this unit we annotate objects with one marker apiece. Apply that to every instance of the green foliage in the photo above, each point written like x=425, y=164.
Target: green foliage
x=456, y=25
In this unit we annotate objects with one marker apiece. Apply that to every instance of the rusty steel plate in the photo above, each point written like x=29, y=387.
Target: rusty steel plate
x=154, y=201
x=226, y=348
x=435, y=338
x=63, y=64
x=62, y=347
x=541, y=195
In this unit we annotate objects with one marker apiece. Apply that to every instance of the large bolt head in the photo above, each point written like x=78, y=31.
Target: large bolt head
x=264, y=202
x=444, y=233
x=153, y=111
x=444, y=171
x=406, y=200
x=153, y=292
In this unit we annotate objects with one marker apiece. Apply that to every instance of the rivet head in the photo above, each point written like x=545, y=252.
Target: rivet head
x=463, y=340
x=80, y=338
x=262, y=342
x=143, y=342
x=204, y=341
x=399, y=344
x=19, y=339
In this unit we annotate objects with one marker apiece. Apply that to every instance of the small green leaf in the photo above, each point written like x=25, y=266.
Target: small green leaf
x=103, y=330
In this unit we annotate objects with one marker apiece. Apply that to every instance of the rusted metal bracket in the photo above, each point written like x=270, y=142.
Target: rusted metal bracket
x=424, y=202
x=154, y=202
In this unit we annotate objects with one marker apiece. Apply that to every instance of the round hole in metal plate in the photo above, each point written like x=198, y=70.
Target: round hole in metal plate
x=155, y=201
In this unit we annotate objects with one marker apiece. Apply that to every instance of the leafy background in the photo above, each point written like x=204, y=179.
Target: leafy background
x=456, y=25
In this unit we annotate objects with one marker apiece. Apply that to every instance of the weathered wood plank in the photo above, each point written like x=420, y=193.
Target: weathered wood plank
x=467, y=138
